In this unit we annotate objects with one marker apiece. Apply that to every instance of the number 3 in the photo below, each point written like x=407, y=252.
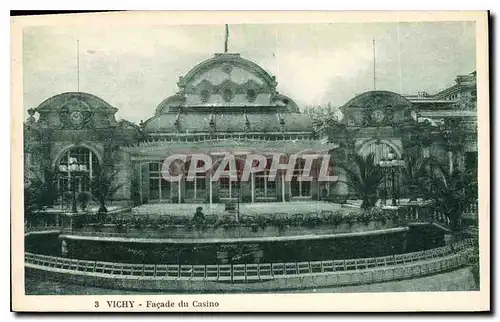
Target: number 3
x=96, y=304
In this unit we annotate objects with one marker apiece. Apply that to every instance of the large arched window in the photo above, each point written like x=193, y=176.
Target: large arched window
x=380, y=148
x=77, y=166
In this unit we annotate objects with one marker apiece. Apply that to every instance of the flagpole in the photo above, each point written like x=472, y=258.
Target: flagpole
x=374, y=71
x=78, y=64
x=226, y=39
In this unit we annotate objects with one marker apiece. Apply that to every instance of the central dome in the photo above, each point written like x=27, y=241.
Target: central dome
x=227, y=93
x=226, y=83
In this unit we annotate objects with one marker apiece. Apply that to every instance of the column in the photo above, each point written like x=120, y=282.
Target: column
x=179, y=193
x=140, y=186
x=210, y=192
x=252, y=177
x=283, y=173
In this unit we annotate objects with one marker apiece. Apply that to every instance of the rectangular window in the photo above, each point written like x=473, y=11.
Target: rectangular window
x=264, y=188
x=166, y=189
x=154, y=189
x=300, y=188
x=228, y=188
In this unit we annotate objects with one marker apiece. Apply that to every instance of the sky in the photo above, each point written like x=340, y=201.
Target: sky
x=135, y=68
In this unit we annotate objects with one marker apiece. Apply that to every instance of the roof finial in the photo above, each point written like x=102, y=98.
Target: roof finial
x=226, y=39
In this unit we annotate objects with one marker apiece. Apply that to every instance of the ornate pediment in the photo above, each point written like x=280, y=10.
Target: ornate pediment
x=76, y=114
x=378, y=112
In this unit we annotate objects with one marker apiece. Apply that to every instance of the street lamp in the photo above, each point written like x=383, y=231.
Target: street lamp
x=75, y=171
x=391, y=163
x=384, y=164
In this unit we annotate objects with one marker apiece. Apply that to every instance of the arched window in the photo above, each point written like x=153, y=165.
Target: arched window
x=77, y=166
x=380, y=149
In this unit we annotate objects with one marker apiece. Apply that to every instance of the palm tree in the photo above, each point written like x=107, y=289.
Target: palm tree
x=46, y=186
x=416, y=172
x=103, y=185
x=451, y=193
x=364, y=178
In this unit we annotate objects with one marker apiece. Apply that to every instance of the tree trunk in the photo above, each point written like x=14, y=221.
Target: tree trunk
x=450, y=161
x=102, y=208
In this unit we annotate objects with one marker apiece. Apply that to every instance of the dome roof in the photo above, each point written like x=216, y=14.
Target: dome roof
x=227, y=81
x=376, y=109
x=367, y=99
x=90, y=101
x=76, y=110
x=227, y=61
x=228, y=123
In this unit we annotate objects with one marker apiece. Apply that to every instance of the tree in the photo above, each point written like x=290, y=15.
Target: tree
x=103, y=185
x=324, y=118
x=416, y=172
x=364, y=178
x=451, y=193
x=44, y=188
x=454, y=134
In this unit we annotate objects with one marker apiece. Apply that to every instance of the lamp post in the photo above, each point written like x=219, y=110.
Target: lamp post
x=383, y=164
x=75, y=171
x=392, y=163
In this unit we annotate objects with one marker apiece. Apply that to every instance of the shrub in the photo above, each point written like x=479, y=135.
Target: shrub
x=364, y=217
x=296, y=220
x=262, y=222
x=336, y=218
x=83, y=199
x=311, y=222
x=351, y=218
x=255, y=227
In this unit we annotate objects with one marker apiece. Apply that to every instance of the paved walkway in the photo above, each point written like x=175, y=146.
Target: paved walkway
x=251, y=209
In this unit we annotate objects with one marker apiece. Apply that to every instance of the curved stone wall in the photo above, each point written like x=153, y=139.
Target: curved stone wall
x=250, y=278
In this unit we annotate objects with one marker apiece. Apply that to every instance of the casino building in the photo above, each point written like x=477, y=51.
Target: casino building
x=229, y=104
x=224, y=104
